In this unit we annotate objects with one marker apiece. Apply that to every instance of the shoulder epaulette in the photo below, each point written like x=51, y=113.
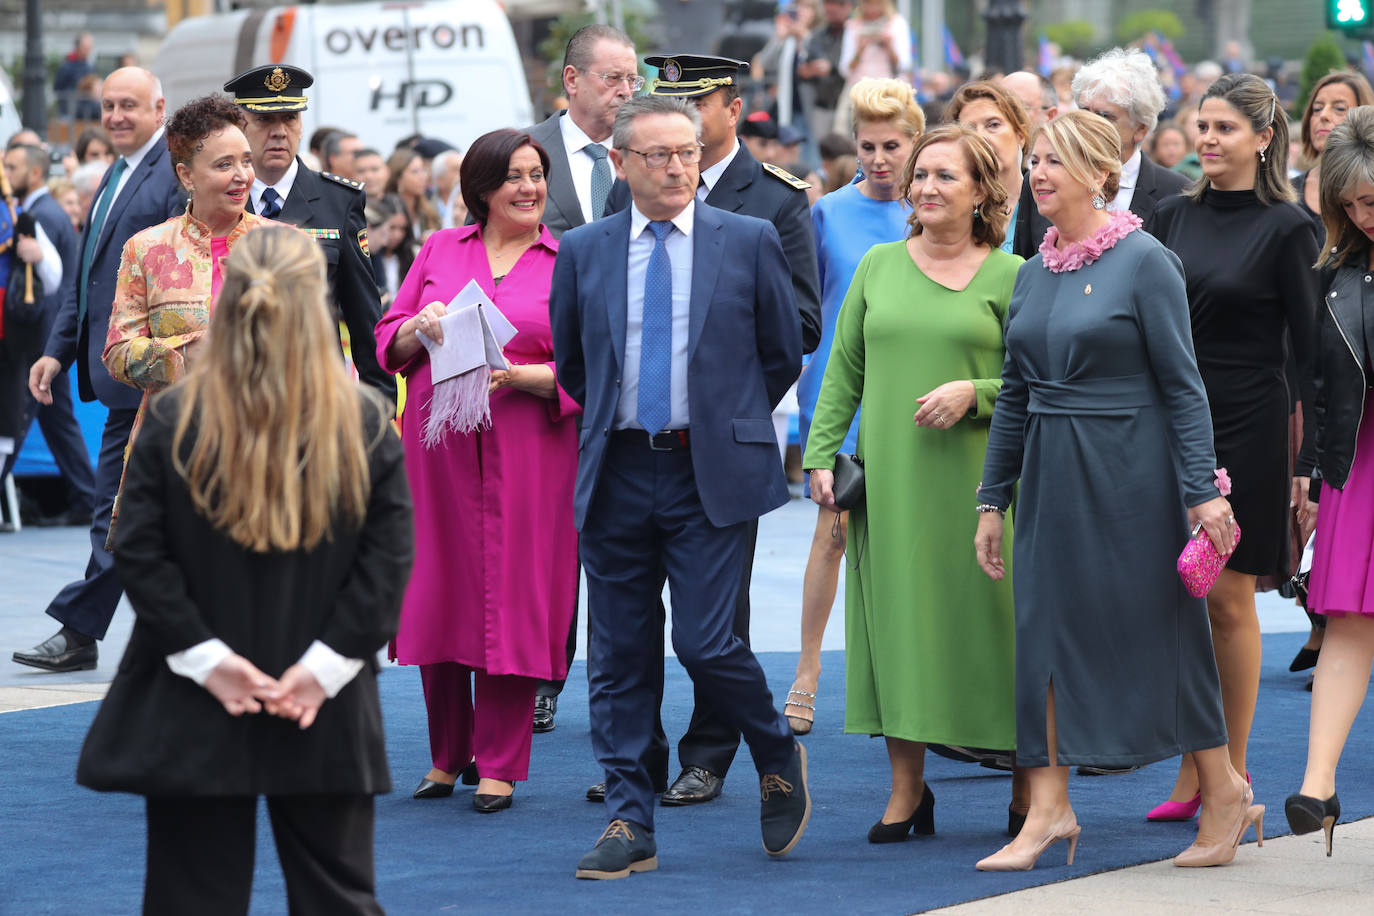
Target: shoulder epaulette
x=785, y=176
x=346, y=182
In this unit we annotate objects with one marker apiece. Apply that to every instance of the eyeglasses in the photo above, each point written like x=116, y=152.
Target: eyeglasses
x=612, y=80
x=659, y=158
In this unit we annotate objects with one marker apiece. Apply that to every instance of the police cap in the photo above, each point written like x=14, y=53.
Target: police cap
x=692, y=75
x=275, y=87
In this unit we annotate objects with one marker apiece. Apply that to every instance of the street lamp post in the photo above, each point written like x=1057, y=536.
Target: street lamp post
x=1005, y=48
x=35, y=112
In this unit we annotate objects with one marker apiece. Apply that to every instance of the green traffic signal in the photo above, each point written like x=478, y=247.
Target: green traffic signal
x=1349, y=15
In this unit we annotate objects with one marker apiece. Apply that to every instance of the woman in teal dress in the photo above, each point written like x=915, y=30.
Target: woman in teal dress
x=929, y=639
x=848, y=222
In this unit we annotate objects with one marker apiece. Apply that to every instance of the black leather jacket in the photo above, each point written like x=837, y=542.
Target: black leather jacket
x=1340, y=379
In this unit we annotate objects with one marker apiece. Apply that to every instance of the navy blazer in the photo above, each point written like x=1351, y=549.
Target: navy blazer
x=152, y=195
x=743, y=352
x=48, y=213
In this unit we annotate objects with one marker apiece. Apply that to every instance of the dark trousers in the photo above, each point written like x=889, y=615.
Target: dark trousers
x=88, y=604
x=201, y=851
x=65, y=442
x=646, y=521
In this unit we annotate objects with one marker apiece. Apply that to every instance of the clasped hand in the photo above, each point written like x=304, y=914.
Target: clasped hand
x=241, y=687
x=1216, y=519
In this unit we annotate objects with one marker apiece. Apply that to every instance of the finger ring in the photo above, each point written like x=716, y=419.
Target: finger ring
x=1230, y=519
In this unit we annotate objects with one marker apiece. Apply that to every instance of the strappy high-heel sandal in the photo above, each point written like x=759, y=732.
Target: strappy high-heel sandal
x=801, y=724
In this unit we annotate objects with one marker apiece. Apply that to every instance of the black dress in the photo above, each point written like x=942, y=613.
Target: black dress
x=1250, y=284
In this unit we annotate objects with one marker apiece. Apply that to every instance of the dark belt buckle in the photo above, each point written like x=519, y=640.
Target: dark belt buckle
x=653, y=441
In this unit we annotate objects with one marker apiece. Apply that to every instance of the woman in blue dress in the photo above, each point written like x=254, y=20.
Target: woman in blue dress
x=886, y=120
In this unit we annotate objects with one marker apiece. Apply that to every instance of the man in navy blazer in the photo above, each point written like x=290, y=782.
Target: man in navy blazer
x=138, y=191
x=674, y=327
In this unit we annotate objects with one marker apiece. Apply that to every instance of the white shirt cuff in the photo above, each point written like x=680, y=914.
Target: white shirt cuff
x=50, y=268
x=331, y=670
x=198, y=661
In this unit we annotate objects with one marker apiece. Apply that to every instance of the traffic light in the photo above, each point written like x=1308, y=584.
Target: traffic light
x=1350, y=15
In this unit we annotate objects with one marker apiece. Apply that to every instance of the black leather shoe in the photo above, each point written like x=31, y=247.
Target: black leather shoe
x=1090, y=770
x=693, y=786
x=921, y=822
x=490, y=804
x=429, y=788
x=1015, y=821
x=1307, y=814
x=785, y=805
x=624, y=847
x=596, y=792
x=544, y=709
x=1306, y=658
x=60, y=654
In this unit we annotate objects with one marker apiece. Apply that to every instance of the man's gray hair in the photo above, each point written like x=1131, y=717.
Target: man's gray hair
x=650, y=105
x=1126, y=78
x=582, y=45
x=448, y=159
x=87, y=177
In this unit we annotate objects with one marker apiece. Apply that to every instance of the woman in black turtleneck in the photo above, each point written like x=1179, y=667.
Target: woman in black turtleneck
x=1247, y=250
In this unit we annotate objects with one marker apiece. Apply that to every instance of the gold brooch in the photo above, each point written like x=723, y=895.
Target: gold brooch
x=277, y=80
x=1088, y=290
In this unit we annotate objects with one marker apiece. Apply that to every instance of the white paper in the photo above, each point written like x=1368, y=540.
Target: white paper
x=474, y=333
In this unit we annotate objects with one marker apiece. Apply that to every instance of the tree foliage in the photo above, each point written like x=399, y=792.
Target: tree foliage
x=551, y=49
x=1142, y=22
x=1075, y=37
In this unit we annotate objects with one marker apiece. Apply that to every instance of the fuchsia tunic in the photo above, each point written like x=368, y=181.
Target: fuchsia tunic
x=495, y=579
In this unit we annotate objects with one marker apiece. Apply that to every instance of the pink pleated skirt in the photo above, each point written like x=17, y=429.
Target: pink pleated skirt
x=1342, y=580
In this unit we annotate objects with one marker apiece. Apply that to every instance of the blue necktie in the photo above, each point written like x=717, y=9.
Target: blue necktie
x=93, y=234
x=271, y=203
x=656, y=336
x=601, y=178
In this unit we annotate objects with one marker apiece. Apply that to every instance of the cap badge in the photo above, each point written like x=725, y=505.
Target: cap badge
x=277, y=80
x=672, y=70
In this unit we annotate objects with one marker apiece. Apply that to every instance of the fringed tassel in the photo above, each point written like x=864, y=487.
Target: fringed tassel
x=460, y=404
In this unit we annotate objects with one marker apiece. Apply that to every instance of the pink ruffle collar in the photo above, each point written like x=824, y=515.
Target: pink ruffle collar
x=1080, y=254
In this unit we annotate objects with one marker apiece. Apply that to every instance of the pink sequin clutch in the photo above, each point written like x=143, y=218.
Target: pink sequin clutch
x=1200, y=564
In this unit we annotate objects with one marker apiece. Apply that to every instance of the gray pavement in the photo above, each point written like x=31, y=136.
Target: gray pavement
x=1289, y=875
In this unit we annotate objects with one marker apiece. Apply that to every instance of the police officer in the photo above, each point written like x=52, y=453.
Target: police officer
x=328, y=207
x=731, y=179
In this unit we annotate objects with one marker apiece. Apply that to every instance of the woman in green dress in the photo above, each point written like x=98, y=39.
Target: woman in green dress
x=929, y=639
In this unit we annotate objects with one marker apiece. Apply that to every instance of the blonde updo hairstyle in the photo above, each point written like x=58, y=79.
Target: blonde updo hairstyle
x=277, y=453
x=1087, y=145
x=1347, y=161
x=883, y=101
x=990, y=221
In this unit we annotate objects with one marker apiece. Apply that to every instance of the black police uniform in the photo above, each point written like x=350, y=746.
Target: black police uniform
x=769, y=193
x=330, y=209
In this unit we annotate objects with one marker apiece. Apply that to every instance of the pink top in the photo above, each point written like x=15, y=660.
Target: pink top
x=1080, y=254
x=219, y=250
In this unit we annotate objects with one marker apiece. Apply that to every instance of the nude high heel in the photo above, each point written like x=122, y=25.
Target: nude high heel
x=1007, y=860
x=1251, y=815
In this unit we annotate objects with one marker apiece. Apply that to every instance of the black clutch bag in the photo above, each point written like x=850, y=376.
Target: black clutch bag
x=849, y=481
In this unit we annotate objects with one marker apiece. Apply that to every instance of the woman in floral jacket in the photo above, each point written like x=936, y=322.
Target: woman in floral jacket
x=170, y=273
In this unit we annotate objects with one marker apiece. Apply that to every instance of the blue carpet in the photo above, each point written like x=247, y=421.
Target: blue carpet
x=68, y=850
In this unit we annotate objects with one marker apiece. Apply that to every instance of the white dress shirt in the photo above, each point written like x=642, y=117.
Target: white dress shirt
x=575, y=142
x=283, y=187
x=1130, y=174
x=332, y=670
x=710, y=176
x=49, y=269
x=679, y=246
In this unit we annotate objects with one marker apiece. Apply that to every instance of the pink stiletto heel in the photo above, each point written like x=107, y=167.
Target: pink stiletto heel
x=1176, y=811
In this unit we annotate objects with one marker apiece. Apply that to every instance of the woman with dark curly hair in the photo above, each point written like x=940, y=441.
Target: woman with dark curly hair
x=170, y=274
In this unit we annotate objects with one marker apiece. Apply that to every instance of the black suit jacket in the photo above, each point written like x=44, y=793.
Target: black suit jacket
x=333, y=206
x=1154, y=184
x=151, y=195
x=746, y=188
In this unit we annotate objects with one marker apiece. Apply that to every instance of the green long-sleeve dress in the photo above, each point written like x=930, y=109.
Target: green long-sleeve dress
x=929, y=637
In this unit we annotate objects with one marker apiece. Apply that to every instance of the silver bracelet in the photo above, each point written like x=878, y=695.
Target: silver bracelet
x=989, y=507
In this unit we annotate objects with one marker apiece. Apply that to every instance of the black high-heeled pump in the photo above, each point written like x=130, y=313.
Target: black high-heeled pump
x=1307, y=815
x=1306, y=658
x=921, y=822
x=1015, y=820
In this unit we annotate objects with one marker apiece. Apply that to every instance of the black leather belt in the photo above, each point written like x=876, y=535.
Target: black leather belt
x=667, y=440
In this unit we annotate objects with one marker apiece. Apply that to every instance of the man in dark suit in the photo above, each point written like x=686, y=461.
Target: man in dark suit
x=27, y=167
x=674, y=328
x=600, y=73
x=730, y=179
x=326, y=206
x=1123, y=87
x=138, y=191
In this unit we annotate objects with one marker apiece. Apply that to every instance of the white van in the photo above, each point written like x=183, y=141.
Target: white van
x=448, y=68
